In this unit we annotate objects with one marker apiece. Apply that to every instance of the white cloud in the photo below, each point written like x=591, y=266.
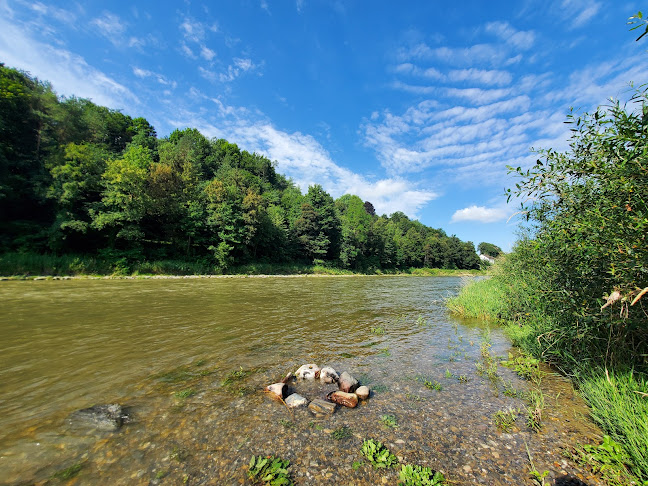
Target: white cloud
x=491, y=77
x=69, y=73
x=519, y=39
x=110, y=26
x=206, y=53
x=144, y=73
x=578, y=12
x=480, y=214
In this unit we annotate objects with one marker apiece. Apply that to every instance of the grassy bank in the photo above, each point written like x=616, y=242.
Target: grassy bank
x=610, y=376
x=31, y=265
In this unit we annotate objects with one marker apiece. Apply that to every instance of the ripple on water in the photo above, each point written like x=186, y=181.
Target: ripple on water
x=147, y=343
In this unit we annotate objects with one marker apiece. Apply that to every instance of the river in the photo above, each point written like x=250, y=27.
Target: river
x=165, y=349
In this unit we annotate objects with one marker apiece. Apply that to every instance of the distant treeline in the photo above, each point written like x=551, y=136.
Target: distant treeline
x=78, y=178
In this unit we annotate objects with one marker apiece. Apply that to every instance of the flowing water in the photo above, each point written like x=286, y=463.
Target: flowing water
x=190, y=359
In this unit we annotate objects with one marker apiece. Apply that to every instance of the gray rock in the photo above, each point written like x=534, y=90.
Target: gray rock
x=319, y=406
x=348, y=383
x=296, y=400
x=108, y=417
x=363, y=392
x=329, y=375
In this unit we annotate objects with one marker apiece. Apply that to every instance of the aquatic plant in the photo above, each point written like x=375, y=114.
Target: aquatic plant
x=389, y=421
x=420, y=476
x=179, y=454
x=432, y=385
x=537, y=477
x=182, y=394
x=463, y=378
x=421, y=321
x=504, y=419
x=377, y=454
x=448, y=374
x=384, y=352
x=609, y=459
x=526, y=366
x=510, y=390
x=342, y=433
x=379, y=388
x=357, y=465
x=534, y=410
x=287, y=424
x=235, y=375
x=269, y=470
x=68, y=472
x=380, y=330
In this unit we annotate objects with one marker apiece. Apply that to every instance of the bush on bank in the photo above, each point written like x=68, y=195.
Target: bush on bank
x=573, y=290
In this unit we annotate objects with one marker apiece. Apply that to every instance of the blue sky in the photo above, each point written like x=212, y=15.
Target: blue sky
x=416, y=106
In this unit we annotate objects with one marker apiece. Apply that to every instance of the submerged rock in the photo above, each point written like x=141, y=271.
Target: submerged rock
x=109, y=417
x=277, y=389
x=363, y=392
x=329, y=375
x=319, y=406
x=296, y=400
x=342, y=398
x=348, y=383
x=308, y=372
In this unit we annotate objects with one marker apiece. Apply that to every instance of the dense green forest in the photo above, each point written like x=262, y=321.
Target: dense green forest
x=78, y=178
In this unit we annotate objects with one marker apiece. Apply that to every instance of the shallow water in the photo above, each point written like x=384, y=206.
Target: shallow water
x=67, y=345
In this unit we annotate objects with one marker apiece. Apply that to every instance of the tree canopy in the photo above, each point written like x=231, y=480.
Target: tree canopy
x=80, y=178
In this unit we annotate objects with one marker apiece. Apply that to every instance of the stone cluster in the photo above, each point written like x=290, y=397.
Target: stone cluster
x=348, y=394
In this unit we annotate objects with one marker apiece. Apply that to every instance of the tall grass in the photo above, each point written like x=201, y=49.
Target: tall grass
x=597, y=359
x=619, y=403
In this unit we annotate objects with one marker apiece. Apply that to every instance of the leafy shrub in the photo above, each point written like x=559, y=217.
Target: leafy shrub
x=420, y=476
x=269, y=470
x=378, y=455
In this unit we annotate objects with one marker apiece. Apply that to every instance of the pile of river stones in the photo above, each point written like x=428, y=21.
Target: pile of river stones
x=348, y=394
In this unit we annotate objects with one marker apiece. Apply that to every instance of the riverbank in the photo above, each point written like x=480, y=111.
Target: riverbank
x=615, y=390
x=17, y=266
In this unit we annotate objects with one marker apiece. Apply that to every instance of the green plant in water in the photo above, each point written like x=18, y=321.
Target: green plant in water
x=380, y=330
x=389, y=421
x=448, y=374
x=420, y=476
x=534, y=410
x=68, y=472
x=510, y=390
x=463, y=378
x=236, y=375
x=414, y=398
x=379, y=388
x=342, y=433
x=525, y=366
x=182, y=394
x=421, y=321
x=269, y=470
x=357, y=465
x=432, y=385
x=287, y=424
x=161, y=474
x=178, y=454
x=377, y=454
x=608, y=459
x=505, y=419
x=384, y=352
x=537, y=477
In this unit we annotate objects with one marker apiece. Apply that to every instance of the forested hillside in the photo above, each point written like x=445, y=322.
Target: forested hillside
x=77, y=178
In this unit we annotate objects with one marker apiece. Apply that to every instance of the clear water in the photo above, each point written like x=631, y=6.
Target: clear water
x=67, y=345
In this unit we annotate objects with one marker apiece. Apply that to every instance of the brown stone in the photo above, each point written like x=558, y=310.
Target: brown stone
x=319, y=406
x=342, y=398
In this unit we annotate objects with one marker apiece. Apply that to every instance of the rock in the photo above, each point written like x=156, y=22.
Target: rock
x=296, y=400
x=319, y=406
x=363, y=392
x=277, y=389
x=103, y=417
x=329, y=375
x=342, y=398
x=308, y=372
x=348, y=383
